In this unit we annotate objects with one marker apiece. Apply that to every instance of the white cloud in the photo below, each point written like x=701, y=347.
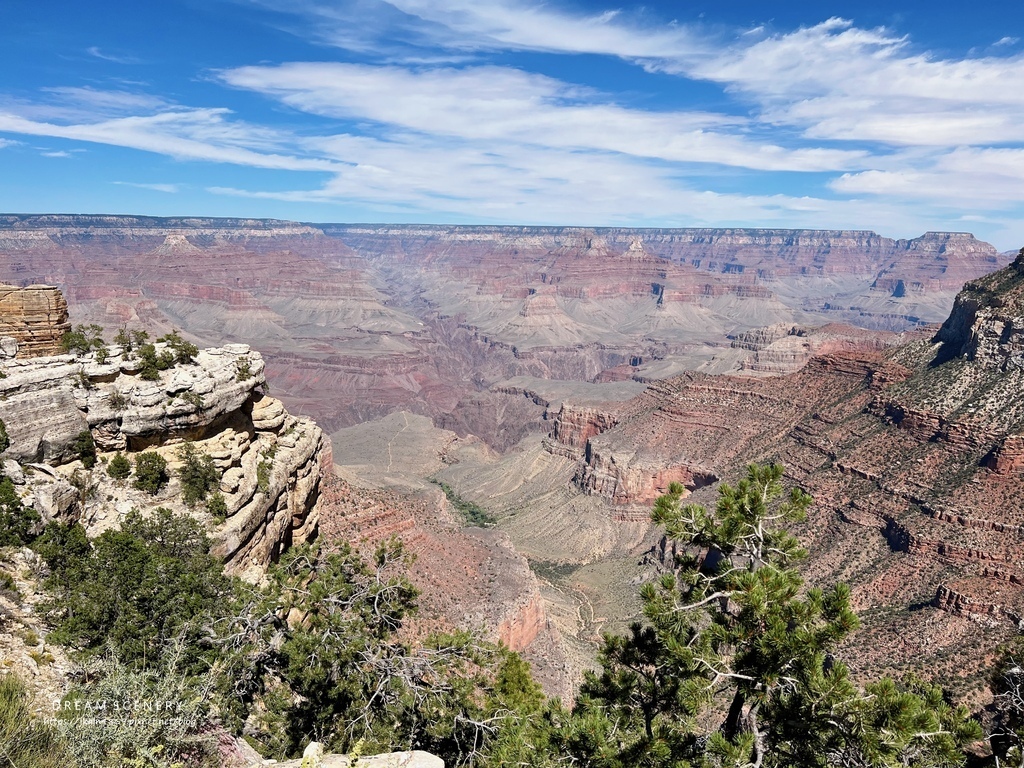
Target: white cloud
x=56, y=153
x=538, y=26
x=965, y=179
x=408, y=175
x=95, y=51
x=196, y=134
x=841, y=82
x=500, y=104
x=169, y=188
x=106, y=102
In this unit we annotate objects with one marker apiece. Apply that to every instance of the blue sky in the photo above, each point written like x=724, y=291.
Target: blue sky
x=897, y=117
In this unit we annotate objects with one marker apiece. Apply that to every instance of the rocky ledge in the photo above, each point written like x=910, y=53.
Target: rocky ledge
x=270, y=462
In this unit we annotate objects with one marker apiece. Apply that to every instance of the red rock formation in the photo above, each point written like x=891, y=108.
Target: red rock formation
x=1009, y=456
x=357, y=322
x=470, y=578
x=575, y=425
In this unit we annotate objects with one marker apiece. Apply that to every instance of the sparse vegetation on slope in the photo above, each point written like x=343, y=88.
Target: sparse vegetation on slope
x=472, y=513
x=25, y=742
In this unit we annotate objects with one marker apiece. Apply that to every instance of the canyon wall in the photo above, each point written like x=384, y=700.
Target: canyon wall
x=921, y=443
x=361, y=321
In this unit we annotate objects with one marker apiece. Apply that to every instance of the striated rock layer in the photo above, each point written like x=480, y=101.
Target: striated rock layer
x=215, y=402
x=914, y=455
x=362, y=321
x=36, y=317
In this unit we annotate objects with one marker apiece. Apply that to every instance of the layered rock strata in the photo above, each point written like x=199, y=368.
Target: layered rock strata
x=271, y=463
x=359, y=322
x=36, y=317
x=921, y=443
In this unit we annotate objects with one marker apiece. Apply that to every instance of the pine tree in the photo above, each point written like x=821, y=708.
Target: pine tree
x=119, y=467
x=732, y=636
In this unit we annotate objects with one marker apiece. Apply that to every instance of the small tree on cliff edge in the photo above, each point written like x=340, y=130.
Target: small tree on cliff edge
x=732, y=630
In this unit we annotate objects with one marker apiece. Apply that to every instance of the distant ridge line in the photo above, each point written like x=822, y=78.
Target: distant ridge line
x=9, y=221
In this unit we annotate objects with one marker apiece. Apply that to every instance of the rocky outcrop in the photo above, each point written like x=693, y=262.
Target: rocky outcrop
x=36, y=317
x=987, y=322
x=575, y=425
x=1008, y=456
x=629, y=477
x=314, y=757
x=272, y=464
x=954, y=602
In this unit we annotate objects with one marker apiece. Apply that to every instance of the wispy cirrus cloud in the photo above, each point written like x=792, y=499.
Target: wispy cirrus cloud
x=500, y=104
x=835, y=81
x=184, y=134
x=117, y=59
x=168, y=188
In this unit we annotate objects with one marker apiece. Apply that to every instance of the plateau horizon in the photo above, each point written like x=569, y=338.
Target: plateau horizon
x=507, y=111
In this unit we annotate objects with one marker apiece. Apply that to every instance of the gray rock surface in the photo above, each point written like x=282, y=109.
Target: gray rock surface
x=416, y=759
x=215, y=402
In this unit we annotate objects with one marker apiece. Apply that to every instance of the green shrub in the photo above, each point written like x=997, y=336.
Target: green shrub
x=193, y=398
x=134, y=589
x=263, y=475
x=18, y=523
x=129, y=341
x=150, y=472
x=243, y=369
x=82, y=339
x=8, y=584
x=176, y=734
x=153, y=362
x=184, y=352
x=217, y=506
x=197, y=473
x=84, y=446
x=119, y=467
x=472, y=513
x=81, y=379
x=30, y=637
x=5, y=441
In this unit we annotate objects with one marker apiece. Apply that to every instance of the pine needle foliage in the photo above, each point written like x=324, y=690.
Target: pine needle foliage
x=734, y=636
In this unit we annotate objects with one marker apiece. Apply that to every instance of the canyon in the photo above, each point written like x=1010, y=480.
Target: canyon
x=359, y=322
x=561, y=378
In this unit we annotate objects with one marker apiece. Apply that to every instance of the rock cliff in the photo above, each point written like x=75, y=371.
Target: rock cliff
x=36, y=317
x=271, y=463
